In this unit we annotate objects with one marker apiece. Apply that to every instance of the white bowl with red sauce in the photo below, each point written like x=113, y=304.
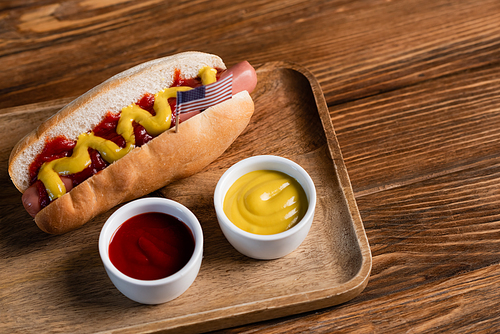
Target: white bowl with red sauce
x=270, y=246
x=158, y=271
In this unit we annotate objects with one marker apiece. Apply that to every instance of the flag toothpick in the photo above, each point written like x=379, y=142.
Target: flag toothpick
x=203, y=97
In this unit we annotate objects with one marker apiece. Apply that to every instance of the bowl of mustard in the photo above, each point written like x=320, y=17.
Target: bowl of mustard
x=265, y=206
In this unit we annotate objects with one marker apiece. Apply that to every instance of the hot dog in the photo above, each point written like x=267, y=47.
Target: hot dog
x=166, y=156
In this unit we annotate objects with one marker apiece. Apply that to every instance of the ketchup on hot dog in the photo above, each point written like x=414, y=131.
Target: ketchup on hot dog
x=36, y=197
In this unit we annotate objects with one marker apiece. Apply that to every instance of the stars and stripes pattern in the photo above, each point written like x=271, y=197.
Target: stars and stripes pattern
x=203, y=97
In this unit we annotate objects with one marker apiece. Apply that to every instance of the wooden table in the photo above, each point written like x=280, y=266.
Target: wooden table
x=413, y=90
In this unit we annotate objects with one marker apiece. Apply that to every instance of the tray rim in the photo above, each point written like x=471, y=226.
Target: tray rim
x=311, y=300
x=284, y=305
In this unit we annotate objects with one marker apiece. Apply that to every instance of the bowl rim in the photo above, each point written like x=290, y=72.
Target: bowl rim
x=310, y=191
x=108, y=231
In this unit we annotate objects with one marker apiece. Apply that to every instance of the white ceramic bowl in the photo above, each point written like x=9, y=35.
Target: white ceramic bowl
x=153, y=291
x=265, y=247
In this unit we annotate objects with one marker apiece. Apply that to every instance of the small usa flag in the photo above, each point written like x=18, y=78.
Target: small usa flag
x=203, y=97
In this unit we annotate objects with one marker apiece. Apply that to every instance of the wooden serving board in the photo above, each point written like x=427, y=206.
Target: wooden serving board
x=58, y=284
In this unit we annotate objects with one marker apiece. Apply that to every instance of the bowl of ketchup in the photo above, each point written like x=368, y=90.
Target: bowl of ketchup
x=152, y=249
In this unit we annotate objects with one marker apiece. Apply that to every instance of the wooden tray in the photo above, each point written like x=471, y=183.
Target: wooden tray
x=58, y=284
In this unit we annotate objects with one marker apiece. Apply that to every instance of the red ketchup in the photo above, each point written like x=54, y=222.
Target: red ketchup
x=151, y=246
x=61, y=147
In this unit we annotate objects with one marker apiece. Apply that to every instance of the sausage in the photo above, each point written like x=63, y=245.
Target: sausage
x=31, y=200
x=244, y=78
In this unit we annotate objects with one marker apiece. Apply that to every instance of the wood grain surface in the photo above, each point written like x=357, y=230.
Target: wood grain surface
x=412, y=89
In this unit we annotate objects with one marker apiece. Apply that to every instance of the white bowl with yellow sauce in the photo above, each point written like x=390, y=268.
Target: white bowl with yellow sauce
x=265, y=206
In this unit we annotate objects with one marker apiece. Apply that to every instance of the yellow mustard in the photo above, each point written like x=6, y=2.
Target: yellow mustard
x=265, y=202
x=80, y=159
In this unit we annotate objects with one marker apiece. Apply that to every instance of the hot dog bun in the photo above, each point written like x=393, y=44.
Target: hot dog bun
x=168, y=157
